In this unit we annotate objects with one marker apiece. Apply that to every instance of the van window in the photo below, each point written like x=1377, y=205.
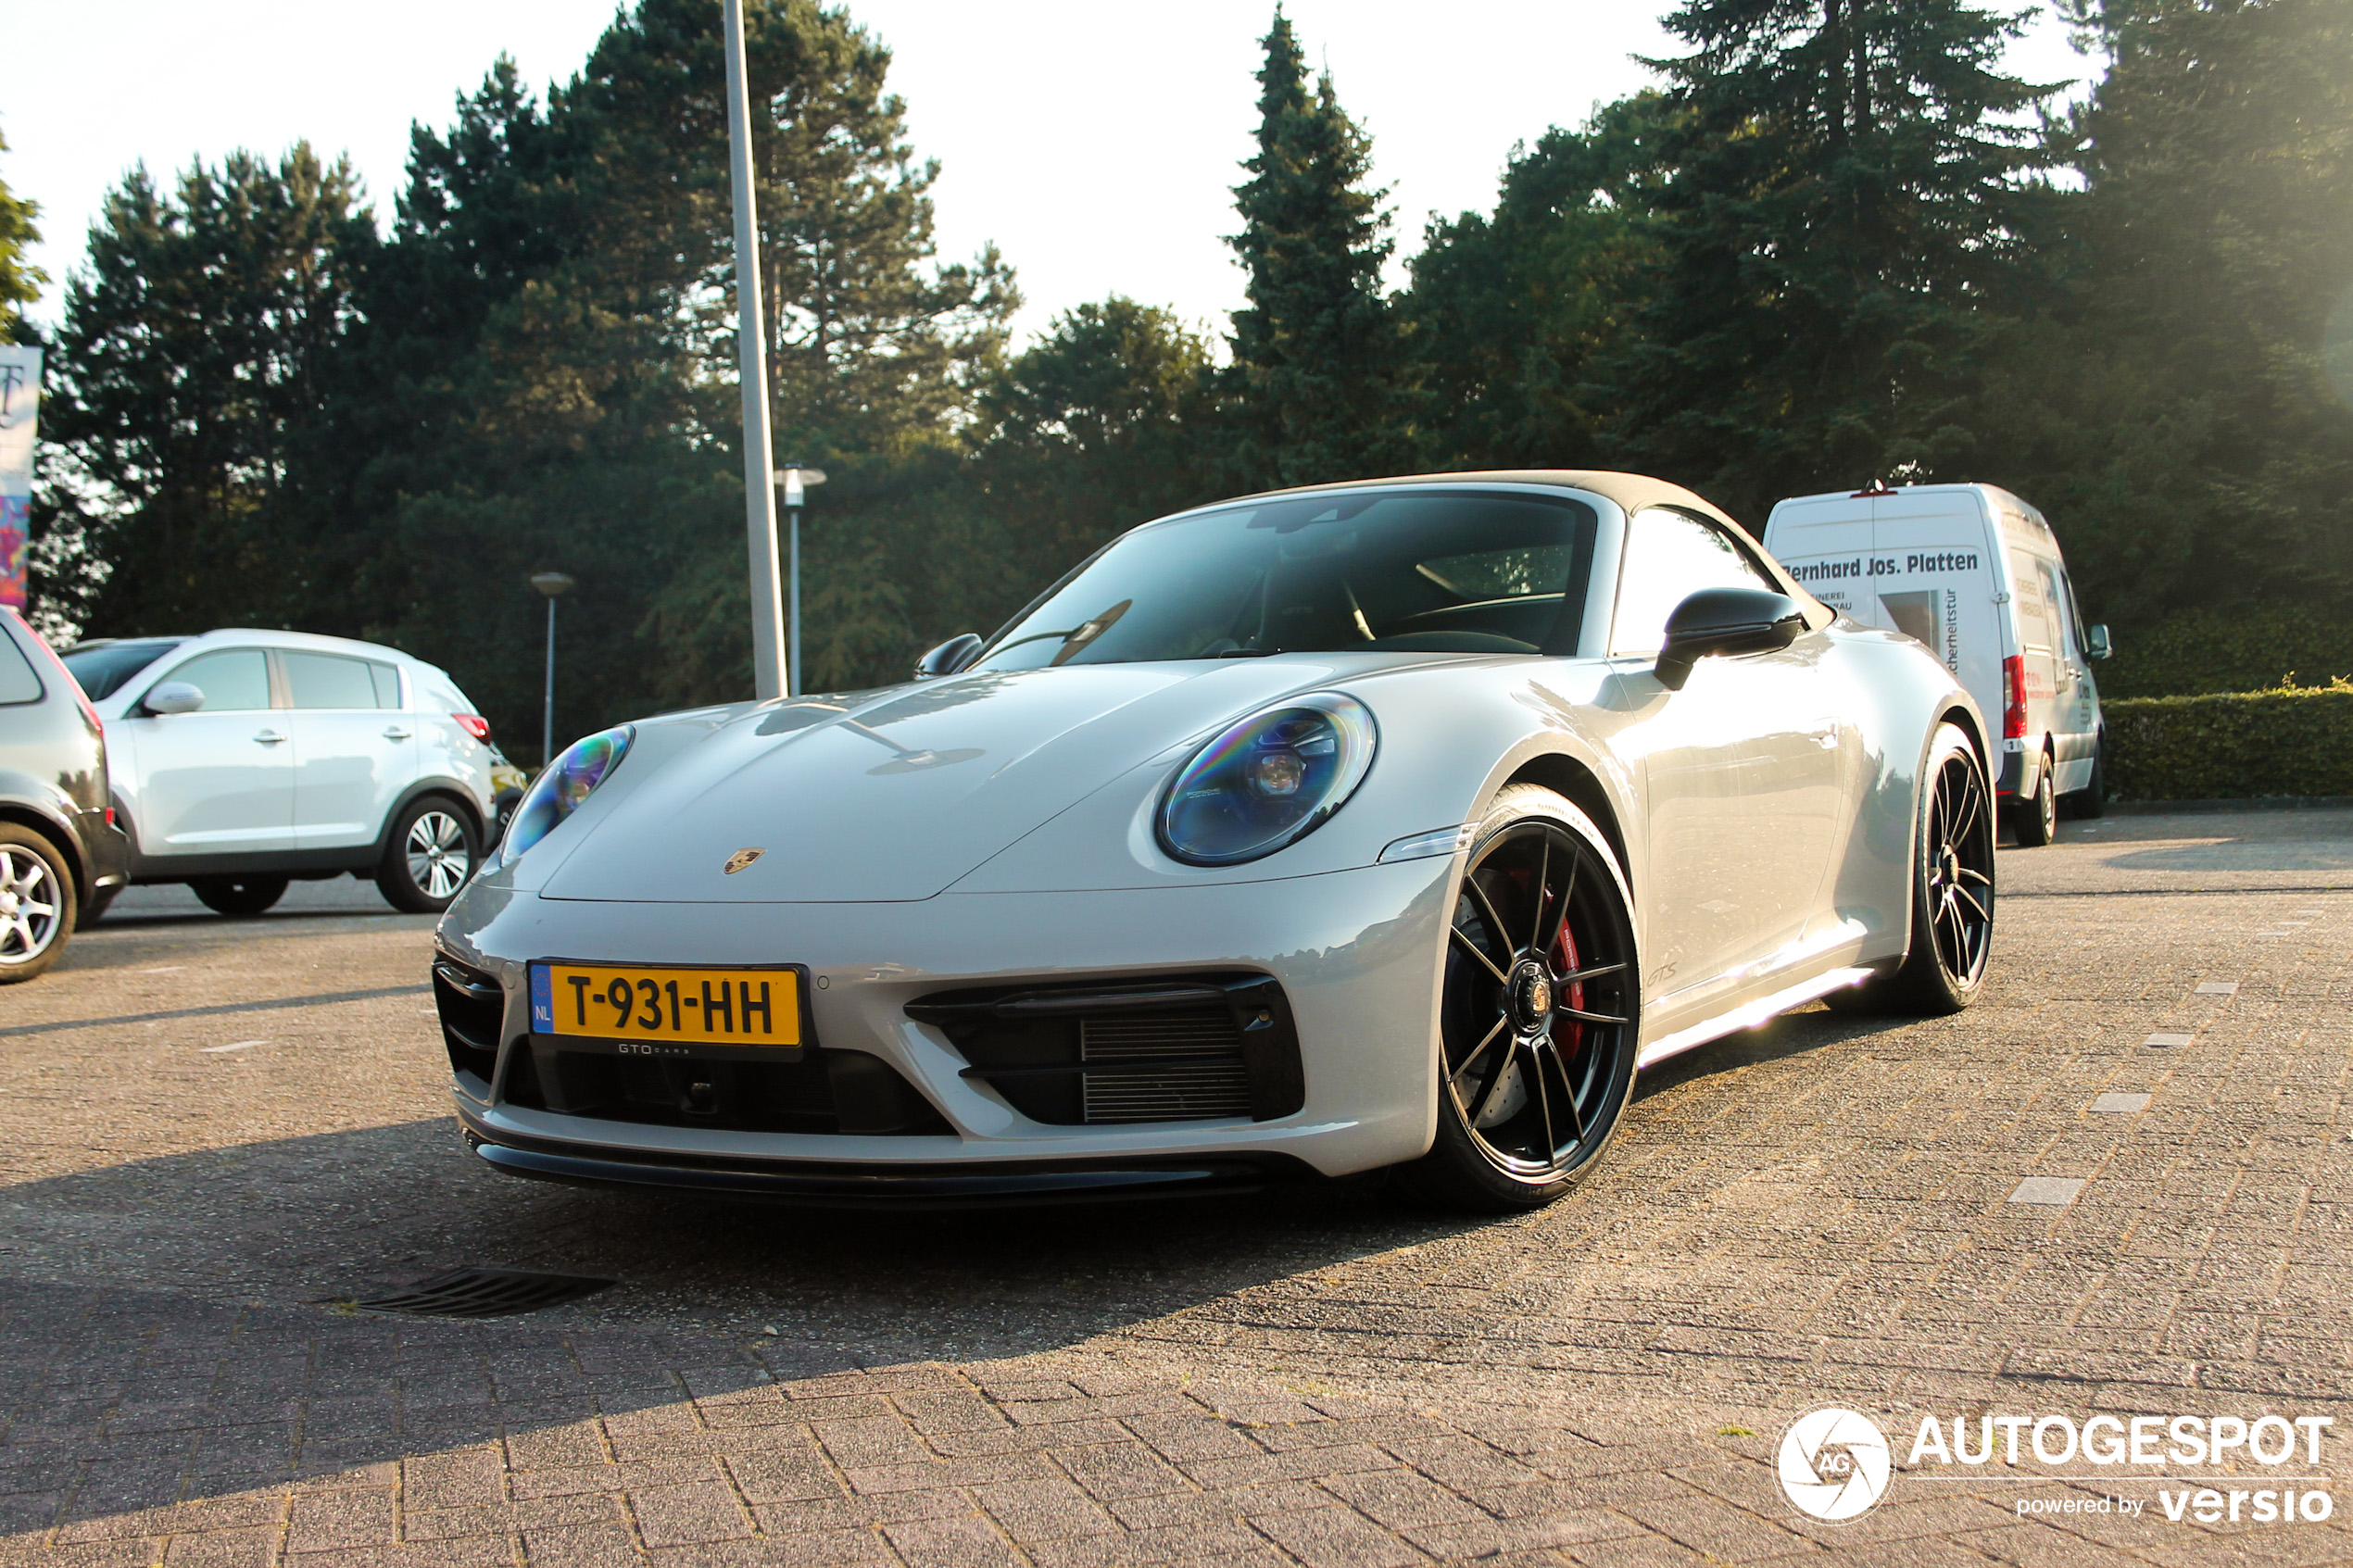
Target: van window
x=2062, y=596
x=232, y=681
x=1670, y=556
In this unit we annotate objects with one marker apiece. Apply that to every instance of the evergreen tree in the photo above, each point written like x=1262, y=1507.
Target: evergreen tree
x=1510, y=312
x=2175, y=410
x=1843, y=203
x=20, y=281
x=1318, y=356
x=188, y=418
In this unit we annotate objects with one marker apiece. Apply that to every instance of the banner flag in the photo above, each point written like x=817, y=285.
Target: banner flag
x=19, y=408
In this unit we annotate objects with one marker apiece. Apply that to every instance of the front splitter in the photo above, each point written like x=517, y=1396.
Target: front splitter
x=836, y=1188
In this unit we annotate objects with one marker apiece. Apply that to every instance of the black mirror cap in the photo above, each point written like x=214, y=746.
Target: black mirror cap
x=1716, y=622
x=2097, y=643
x=949, y=656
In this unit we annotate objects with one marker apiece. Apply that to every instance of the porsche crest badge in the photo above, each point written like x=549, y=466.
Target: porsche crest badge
x=741, y=858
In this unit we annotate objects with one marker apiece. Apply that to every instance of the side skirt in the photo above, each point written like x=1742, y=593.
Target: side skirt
x=1748, y=1015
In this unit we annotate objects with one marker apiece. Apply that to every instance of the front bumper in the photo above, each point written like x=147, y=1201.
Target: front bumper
x=1357, y=953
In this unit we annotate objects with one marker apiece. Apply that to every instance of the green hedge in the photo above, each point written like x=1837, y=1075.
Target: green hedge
x=2245, y=649
x=2232, y=746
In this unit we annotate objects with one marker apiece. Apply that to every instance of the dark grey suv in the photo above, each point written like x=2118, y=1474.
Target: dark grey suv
x=61, y=857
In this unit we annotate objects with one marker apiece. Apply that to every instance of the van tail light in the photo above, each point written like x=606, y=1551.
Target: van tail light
x=477, y=726
x=2014, y=697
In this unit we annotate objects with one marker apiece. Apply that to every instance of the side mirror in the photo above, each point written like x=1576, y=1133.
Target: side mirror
x=2097, y=645
x=949, y=656
x=1715, y=622
x=174, y=696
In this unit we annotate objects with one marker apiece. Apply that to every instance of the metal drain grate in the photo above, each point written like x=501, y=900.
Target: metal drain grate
x=482, y=1293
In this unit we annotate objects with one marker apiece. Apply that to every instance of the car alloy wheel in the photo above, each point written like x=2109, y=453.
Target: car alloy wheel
x=31, y=910
x=1537, y=1024
x=1960, y=872
x=439, y=858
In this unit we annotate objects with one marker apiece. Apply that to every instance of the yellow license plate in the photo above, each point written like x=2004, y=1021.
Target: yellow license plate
x=702, y=1007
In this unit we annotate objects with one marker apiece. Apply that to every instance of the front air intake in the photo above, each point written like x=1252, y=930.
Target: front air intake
x=472, y=1007
x=1187, y=1049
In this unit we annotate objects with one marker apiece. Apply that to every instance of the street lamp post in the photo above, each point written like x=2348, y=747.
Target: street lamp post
x=555, y=584
x=796, y=478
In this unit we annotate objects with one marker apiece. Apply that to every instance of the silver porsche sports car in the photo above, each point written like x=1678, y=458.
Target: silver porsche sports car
x=1385, y=824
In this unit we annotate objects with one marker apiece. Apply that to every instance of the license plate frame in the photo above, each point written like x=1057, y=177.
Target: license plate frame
x=546, y=975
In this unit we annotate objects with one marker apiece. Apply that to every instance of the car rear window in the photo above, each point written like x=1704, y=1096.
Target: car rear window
x=326, y=680
x=104, y=667
x=18, y=683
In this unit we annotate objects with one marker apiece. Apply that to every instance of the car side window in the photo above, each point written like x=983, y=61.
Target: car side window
x=388, y=681
x=232, y=681
x=326, y=680
x=1670, y=556
x=18, y=681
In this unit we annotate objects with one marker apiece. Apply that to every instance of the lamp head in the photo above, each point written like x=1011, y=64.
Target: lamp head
x=552, y=583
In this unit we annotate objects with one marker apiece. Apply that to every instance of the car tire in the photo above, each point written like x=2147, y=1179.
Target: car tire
x=238, y=895
x=433, y=848
x=2092, y=799
x=36, y=904
x=2034, y=820
x=1952, y=927
x=1538, y=1026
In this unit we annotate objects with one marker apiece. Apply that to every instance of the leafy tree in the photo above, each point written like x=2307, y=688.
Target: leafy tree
x=1511, y=311
x=2173, y=409
x=187, y=415
x=20, y=281
x=1317, y=355
x=1843, y=203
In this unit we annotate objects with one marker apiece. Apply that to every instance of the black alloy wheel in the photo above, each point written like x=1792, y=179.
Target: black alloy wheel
x=238, y=895
x=1538, y=1022
x=1952, y=893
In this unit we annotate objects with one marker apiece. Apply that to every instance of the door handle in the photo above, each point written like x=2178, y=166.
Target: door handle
x=395, y=733
x=268, y=737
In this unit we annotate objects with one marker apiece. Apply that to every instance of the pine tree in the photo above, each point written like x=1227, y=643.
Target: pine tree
x=1845, y=196
x=189, y=414
x=2175, y=410
x=1317, y=356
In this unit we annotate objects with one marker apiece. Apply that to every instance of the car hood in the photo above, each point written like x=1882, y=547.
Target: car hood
x=897, y=795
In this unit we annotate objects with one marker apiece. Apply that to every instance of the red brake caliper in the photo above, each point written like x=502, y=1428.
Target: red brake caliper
x=1569, y=1034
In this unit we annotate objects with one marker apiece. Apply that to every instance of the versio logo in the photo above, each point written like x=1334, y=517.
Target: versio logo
x=1835, y=1463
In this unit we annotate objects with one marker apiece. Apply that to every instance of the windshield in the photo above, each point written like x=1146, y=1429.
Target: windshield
x=102, y=668
x=1412, y=569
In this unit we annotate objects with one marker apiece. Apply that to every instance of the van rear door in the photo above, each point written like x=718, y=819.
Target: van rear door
x=1825, y=542
x=1935, y=576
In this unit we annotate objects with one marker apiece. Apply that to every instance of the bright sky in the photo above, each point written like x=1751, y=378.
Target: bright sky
x=1097, y=144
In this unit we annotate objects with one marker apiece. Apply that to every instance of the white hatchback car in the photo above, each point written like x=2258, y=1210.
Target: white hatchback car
x=242, y=760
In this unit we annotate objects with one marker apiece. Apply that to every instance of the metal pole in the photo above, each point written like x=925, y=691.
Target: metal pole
x=548, y=731
x=795, y=668
x=770, y=678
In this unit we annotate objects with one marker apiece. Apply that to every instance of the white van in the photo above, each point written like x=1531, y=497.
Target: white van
x=1973, y=572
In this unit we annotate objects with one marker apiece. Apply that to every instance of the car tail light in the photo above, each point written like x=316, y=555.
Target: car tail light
x=2014, y=698
x=473, y=725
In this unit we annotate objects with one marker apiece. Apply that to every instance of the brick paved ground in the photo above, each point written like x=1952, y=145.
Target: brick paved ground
x=1813, y=1212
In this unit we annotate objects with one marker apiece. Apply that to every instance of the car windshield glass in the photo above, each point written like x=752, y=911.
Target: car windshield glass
x=104, y=667
x=1415, y=569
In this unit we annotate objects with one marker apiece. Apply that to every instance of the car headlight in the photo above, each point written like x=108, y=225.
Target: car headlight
x=1269, y=781
x=558, y=791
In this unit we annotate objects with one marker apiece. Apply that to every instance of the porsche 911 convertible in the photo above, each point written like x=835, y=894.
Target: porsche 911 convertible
x=1394, y=824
